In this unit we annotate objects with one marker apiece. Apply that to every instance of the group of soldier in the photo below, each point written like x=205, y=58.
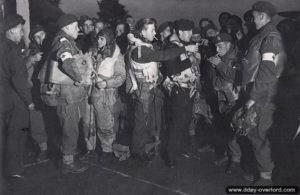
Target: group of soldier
x=174, y=78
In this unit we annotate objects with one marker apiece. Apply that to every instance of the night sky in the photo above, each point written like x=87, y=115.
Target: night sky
x=164, y=10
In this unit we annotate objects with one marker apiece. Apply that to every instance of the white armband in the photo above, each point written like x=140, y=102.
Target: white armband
x=65, y=55
x=268, y=57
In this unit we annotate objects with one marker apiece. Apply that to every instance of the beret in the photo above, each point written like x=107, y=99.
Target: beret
x=65, y=20
x=222, y=37
x=12, y=21
x=184, y=24
x=264, y=6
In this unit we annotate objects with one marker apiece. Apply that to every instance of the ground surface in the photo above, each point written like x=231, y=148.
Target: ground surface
x=193, y=175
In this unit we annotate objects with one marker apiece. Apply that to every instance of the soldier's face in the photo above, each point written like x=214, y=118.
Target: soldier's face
x=211, y=33
x=223, y=48
x=185, y=35
x=232, y=26
x=165, y=33
x=101, y=42
x=17, y=33
x=204, y=24
x=73, y=30
x=258, y=19
x=99, y=26
x=149, y=32
x=196, y=38
x=223, y=19
x=39, y=37
x=130, y=22
x=88, y=27
x=120, y=29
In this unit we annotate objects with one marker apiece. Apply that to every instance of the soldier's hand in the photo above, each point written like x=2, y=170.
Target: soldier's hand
x=101, y=85
x=204, y=42
x=78, y=83
x=133, y=88
x=39, y=56
x=31, y=107
x=191, y=48
x=214, y=60
x=249, y=104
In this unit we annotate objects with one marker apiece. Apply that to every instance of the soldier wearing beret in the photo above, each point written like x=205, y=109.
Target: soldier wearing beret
x=15, y=95
x=34, y=54
x=181, y=76
x=65, y=89
x=261, y=70
x=226, y=83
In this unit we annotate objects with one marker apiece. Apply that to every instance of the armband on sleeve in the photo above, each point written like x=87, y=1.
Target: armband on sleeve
x=268, y=57
x=65, y=55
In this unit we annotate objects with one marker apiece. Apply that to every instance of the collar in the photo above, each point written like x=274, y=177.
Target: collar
x=266, y=28
x=63, y=34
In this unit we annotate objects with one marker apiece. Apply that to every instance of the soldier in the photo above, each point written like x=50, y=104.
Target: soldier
x=66, y=89
x=37, y=46
x=226, y=84
x=111, y=74
x=262, y=70
x=86, y=41
x=15, y=95
x=182, y=76
x=145, y=78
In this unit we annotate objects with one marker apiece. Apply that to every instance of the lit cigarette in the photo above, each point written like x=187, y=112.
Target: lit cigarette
x=155, y=38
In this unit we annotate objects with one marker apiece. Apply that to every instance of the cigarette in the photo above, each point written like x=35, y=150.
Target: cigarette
x=155, y=38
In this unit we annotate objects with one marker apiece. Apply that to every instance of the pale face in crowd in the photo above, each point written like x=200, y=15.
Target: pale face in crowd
x=196, y=38
x=120, y=29
x=259, y=19
x=99, y=26
x=39, y=37
x=72, y=30
x=149, y=32
x=130, y=21
x=185, y=35
x=223, y=47
x=211, y=33
x=204, y=24
x=16, y=34
x=88, y=27
x=101, y=42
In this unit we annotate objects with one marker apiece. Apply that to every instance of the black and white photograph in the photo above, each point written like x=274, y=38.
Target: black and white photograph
x=149, y=97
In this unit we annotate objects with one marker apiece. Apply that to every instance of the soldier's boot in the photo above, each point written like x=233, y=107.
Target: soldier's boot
x=74, y=167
